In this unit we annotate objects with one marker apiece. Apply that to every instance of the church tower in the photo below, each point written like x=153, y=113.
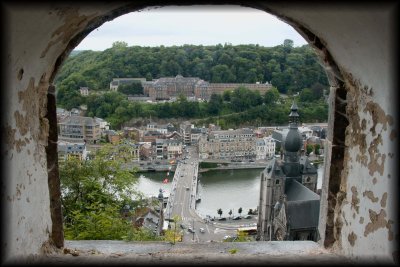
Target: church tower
x=292, y=146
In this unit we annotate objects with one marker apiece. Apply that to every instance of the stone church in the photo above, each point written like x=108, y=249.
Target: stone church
x=288, y=205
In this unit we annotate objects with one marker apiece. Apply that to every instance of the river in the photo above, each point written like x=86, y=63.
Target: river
x=225, y=189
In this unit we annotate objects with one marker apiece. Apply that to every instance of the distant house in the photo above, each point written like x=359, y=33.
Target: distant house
x=67, y=150
x=104, y=125
x=148, y=218
x=113, y=137
x=151, y=136
x=75, y=112
x=195, y=134
x=158, y=128
x=168, y=149
x=84, y=91
x=146, y=151
x=185, y=130
x=174, y=135
x=265, y=148
x=133, y=133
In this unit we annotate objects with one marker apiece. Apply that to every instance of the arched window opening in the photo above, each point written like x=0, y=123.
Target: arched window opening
x=147, y=85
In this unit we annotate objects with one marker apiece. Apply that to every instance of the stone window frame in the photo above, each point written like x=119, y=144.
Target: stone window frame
x=337, y=125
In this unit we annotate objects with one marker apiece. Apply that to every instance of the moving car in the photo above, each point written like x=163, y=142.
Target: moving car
x=202, y=230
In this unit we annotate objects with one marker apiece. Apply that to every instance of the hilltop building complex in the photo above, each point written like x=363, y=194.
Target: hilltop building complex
x=166, y=88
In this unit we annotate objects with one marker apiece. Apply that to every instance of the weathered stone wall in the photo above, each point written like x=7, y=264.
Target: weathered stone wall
x=356, y=43
x=353, y=42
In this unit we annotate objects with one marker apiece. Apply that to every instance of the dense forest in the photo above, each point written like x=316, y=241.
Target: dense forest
x=293, y=71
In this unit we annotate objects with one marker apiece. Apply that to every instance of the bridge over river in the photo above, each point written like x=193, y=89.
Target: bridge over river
x=182, y=202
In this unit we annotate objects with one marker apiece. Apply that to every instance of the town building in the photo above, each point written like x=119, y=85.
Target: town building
x=185, y=129
x=78, y=128
x=113, y=137
x=265, y=148
x=230, y=144
x=289, y=207
x=68, y=150
x=133, y=133
x=104, y=125
x=152, y=136
x=195, y=134
x=168, y=148
x=146, y=151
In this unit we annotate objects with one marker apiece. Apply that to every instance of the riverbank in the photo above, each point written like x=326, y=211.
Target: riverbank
x=233, y=167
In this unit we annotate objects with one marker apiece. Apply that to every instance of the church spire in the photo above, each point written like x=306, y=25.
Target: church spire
x=293, y=116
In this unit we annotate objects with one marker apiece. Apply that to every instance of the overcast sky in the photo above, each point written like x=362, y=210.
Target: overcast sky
x=192, y=25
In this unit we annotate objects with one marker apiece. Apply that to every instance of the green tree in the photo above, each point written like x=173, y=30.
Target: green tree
x=173, y=235
x=214, y=105
x=134, y=88
x=240, y=211
x=271, y=96
x=119, y=44
x=307, y=95
x=309, y=149
x=222, y=74
x=317, y=90
x=316, y=149
x=226, y=95
x=219, y=211
x=93, y=194
x=230, y=213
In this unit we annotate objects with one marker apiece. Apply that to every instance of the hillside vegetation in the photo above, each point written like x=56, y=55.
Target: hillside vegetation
x=293, y=71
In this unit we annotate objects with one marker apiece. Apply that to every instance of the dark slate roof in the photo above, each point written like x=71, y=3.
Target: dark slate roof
x=308, y=168
x=280, y=135
x=152, y=133
x=295, y=191
x=303, y=214
x=303, y=206
x=195, y=130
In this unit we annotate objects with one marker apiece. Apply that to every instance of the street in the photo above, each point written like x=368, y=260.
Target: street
x=182, y=202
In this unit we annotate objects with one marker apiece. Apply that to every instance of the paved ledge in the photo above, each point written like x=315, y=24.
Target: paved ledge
x=148, y=253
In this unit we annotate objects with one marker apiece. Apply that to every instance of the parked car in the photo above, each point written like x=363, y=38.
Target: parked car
x=222, y=219
x=248, y=217
x=191, y=230
x=202, y=230
x=183, y=226
x=237, y=218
